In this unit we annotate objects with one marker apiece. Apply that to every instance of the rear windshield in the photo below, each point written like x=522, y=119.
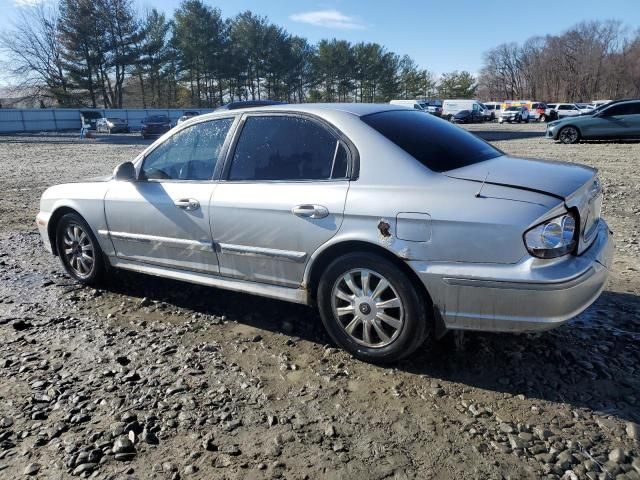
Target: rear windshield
x=436, y=144
x=158, y=118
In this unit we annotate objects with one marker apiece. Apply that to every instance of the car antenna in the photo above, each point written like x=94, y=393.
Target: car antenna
x=482, y=186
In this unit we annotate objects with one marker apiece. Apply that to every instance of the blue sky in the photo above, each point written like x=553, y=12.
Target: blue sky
x=441, y=35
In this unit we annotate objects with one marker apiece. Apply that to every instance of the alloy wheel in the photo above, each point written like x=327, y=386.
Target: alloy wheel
x=569, y=135
x=79, y=250
x=368, y=308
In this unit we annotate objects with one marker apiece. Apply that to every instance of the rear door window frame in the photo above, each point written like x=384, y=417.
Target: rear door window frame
x=353, y=159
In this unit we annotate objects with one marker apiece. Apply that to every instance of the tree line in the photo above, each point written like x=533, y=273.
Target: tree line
x=590, y=61
x=100, y=53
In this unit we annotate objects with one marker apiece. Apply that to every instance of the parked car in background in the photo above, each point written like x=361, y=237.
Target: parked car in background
x=415, y=104
x=599, y=103
x=433, y=106
x=550, y=112
x=248, y=104
x=468, y=116
x=186, y=116
x=396, y=225
x=614, y=120
x=90, y=117
x=538, y=111
x=487, y=115
x=112, y=125
x=495, y=108
x=451, y=107
x=155, y=125
x=585, y=107
x=514, y=114
x=567, y=110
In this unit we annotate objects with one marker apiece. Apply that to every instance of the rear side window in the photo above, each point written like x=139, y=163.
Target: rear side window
x=436, y=144
x=287, y=148
x=623, y=109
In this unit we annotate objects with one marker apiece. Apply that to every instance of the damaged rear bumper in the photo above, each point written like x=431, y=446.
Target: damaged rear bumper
x=528, y=296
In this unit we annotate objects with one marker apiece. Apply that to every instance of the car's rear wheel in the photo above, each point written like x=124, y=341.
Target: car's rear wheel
x=79, y=250
x=569, y=135
x=372, y=309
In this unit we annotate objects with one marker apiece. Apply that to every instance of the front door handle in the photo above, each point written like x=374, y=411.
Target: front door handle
x=310, y=211
x=187, y=204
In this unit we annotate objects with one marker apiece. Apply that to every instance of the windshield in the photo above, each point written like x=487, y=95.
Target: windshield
x=436, y=144
x=114, y=119
x=513, y=109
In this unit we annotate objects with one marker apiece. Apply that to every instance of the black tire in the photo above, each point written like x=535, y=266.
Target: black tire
x=518, y=119
x=416, y=324
x=87, y=276
x=569, y=135
x=542, y=118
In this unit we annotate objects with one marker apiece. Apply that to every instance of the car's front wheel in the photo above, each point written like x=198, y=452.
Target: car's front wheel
x=79, y=250
x=542, y=118
x=372, y=309
x=569, y=135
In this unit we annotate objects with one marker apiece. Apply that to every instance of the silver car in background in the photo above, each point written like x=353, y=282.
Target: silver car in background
x=397, y=225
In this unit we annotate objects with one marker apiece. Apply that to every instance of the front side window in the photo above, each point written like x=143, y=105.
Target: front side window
x=190, y=154
x=438, y=145
x=287, y=148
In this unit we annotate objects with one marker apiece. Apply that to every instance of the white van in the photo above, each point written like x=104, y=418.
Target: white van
x=422, y=106
x=494, y=108
x=451, y=107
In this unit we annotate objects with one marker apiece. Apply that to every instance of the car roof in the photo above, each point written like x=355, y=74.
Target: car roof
x=357, y=109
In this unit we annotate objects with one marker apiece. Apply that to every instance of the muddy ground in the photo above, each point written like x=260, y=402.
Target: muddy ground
x=150, y=378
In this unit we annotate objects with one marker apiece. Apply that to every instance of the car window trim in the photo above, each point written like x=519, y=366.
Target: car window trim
x=219, y=161
x=353, y=158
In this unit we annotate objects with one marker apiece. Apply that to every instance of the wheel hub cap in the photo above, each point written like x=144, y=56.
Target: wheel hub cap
x=78, y=250
x=368, y=308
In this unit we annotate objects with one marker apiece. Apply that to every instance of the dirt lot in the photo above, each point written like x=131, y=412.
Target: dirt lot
x=154, y=378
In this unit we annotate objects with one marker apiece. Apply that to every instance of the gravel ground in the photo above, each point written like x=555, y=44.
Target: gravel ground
x=154, y=378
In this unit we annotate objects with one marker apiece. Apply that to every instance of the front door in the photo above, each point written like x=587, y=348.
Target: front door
x=282, y=196
x=163, y=218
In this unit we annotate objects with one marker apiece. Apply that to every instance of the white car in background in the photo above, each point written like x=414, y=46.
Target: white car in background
x=567, y=110
x=186, y=116
x=451, y=107
x=494, y=108
x=585, y=107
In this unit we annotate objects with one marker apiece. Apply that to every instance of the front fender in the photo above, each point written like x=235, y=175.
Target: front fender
x=87, y=199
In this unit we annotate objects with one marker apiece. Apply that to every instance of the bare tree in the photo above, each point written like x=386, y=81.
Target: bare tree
x=35, y=55
x=590, y=60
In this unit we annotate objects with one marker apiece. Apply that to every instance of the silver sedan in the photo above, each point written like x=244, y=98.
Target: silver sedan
x=397, y=225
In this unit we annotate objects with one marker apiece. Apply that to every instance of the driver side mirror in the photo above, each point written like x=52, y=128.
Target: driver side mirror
x=125, y=172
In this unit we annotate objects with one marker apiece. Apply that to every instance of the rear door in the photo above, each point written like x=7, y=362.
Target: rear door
x=281, y=197
x=616, y=121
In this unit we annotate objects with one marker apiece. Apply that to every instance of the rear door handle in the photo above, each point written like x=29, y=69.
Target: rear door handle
x=310, y=211
x=187, y=204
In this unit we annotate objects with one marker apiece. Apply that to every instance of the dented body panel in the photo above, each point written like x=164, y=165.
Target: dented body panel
x=460, y=231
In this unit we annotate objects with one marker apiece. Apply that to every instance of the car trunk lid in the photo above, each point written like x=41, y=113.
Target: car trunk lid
x=576, y=185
